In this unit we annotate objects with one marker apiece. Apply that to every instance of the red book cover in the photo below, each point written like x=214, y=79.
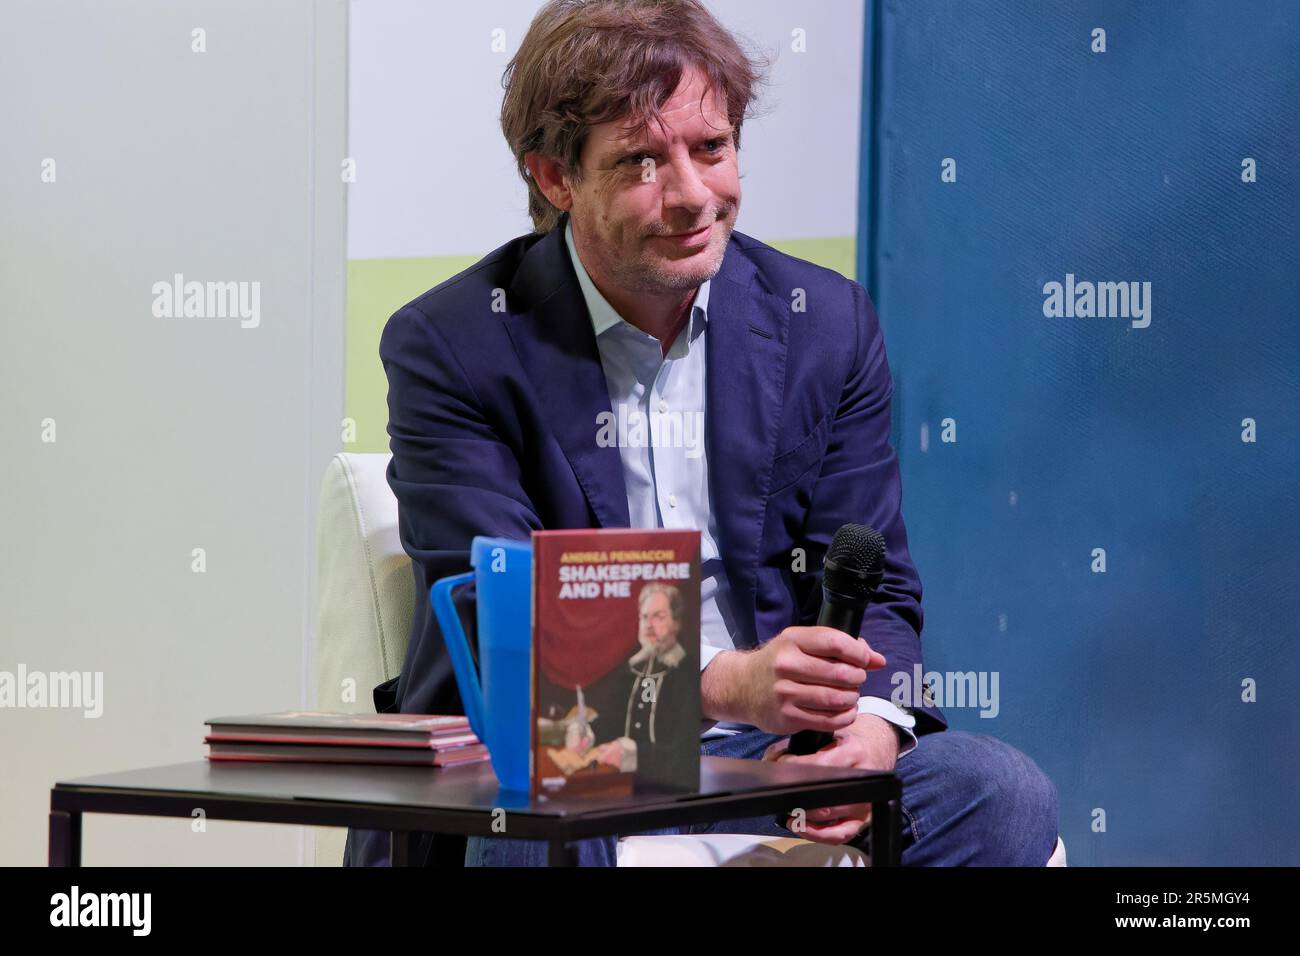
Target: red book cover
x=616, y=661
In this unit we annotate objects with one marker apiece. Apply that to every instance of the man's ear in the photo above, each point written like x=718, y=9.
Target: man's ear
x=548, y=173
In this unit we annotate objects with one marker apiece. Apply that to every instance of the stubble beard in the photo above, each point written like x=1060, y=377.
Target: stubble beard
x=652, y=278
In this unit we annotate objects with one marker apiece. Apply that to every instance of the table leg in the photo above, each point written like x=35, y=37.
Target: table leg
x=65, y=838
x=886, y=833
x=399, y=851
x=561, y=853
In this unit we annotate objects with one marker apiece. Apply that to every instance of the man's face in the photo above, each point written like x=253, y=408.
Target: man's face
x=639, y=191
x=658, y=629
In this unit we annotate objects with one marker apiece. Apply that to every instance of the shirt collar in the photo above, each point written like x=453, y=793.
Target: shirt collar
x=603, y=315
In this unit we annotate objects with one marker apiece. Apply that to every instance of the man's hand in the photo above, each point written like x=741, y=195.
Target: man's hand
x=869, y=743
x=805, y=678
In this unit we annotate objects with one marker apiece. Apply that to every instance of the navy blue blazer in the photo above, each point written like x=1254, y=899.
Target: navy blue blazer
x=494, y=388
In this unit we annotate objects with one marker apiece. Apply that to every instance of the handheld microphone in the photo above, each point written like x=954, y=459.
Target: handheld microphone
x=851, y=573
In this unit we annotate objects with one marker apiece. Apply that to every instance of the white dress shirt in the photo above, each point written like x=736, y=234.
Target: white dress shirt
x=665, y=461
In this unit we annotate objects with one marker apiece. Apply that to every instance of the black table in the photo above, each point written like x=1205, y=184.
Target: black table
x=463, y=800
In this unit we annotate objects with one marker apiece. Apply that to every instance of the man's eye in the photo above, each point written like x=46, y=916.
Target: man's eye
x=719, y=146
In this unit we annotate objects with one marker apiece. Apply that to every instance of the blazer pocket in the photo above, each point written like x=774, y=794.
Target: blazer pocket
x=789, y=466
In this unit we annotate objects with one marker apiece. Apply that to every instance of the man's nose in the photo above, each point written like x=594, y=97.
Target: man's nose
x=684, y=187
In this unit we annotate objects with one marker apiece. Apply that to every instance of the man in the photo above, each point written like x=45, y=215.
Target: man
x=650, y=683
x=625, y=117
x=659, y=620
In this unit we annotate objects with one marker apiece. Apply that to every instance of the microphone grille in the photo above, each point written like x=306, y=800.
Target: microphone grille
x=857, y=547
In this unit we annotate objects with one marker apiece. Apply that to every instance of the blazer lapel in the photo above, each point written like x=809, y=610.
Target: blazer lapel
x=557, y=347
x=747, y=336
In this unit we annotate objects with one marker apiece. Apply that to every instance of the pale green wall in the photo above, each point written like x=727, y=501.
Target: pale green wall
x=378, y=287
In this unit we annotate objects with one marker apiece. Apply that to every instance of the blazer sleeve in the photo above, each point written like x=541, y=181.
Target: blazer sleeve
x=859, y=483
x=454, y=478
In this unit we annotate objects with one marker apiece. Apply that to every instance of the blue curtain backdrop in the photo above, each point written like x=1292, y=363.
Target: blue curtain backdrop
x=1079, y=433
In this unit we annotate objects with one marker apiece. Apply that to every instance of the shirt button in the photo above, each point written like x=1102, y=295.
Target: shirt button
x=638, y=725
x=672, y=501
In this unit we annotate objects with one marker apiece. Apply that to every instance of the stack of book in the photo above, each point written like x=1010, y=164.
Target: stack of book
x=297, y=736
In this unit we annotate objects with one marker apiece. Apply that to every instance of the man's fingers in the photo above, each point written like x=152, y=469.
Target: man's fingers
x=832, y=834
x=811, y=669
x=831, y=757
x=776, y=750
x=816, y=699
x=821, y=720
x=829, y=643
x=831, y=825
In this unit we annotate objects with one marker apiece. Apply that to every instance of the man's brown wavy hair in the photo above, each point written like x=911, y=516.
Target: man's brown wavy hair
x=586, y=62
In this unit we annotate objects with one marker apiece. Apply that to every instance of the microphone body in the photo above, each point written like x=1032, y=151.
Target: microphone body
x=851, y=573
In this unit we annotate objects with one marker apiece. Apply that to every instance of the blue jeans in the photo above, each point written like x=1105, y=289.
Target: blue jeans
x=968, y=800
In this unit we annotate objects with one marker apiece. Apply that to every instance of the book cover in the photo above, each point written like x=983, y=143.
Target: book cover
x=396, y=742
x=309, y=720
x=220, y=750
x=616, y=661
x=320, y=727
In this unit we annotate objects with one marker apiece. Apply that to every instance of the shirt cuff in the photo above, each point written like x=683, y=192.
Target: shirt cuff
x=708, y=653
x=887, y=710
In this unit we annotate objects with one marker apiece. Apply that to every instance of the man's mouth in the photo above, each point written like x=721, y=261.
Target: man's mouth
x=690, y=239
